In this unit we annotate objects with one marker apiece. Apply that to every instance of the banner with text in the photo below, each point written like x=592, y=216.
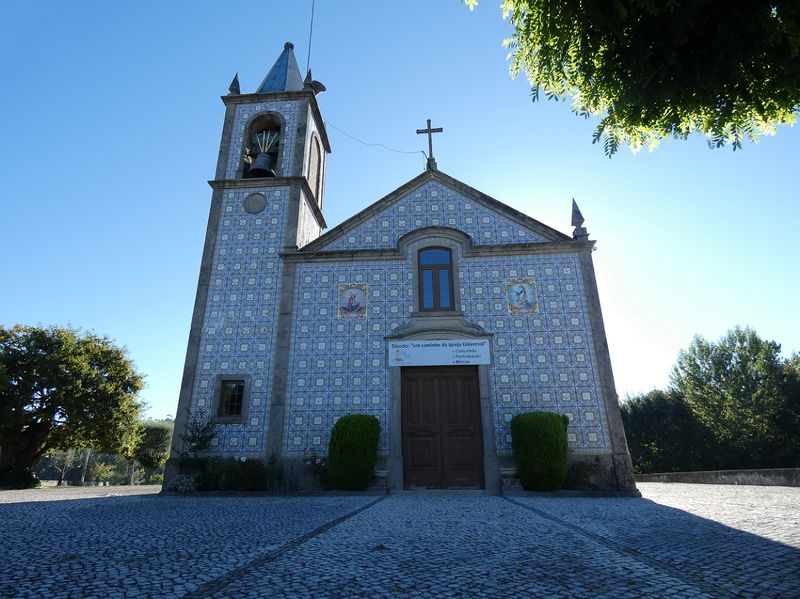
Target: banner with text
x=439, y=352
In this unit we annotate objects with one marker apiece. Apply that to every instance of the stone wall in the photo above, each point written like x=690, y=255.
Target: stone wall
x=779, y=477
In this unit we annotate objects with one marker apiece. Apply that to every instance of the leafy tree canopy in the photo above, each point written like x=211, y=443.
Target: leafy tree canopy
x=63, y=389
x=155, y=436
x=654, y=69
x=665, y=436
x=741, y=389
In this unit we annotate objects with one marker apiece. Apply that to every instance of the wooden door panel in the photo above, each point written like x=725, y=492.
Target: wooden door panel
x=422, y=457
x=442, y=433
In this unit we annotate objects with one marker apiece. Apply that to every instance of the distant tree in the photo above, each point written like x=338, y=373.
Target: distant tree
x=128, y=442
x=729, y=70
x=101, y=471
x=63, y=388
x=789, y=418
x=57, y=464
x=64, y=460
x=152, y=450
x=665, y=436
x=737, y=387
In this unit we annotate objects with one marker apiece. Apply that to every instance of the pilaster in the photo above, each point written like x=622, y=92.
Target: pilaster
x=620, y=456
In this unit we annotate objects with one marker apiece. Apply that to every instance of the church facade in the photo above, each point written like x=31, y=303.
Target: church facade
x=439, y=310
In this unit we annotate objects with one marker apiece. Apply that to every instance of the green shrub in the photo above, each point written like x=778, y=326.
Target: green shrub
x=352, y=451
x=19, y=478
x=182, y=483
x=539, y=440
x=219, y=473
x=249, y=475
x=213, y=473
x=227, y=474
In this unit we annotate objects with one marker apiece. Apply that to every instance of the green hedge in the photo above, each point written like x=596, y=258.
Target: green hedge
x=539, y=440
x=352, y=451
x=229, y=474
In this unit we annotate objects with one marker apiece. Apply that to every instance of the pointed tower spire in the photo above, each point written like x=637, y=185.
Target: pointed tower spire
x=284, y=76
x=580, y=233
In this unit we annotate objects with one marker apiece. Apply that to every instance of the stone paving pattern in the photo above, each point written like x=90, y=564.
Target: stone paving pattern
x=680, y=540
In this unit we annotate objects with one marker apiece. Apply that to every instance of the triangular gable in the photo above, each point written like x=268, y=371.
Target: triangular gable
x=434, y=199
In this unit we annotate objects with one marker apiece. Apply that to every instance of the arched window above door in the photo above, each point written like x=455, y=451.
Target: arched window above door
x=435, y=265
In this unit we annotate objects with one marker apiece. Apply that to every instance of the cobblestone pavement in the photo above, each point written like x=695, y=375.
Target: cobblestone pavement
x=680, y=540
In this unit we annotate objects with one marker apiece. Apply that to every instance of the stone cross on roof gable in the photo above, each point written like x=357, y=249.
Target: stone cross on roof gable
x=429, y=131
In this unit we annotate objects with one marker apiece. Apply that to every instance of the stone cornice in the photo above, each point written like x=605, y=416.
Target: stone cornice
x=270, y=182
x=277, y=96
x=516, y=249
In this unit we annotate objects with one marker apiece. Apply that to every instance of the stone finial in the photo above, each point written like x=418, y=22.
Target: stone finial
x=579, y=233
x=311, y=84
x=233, y=88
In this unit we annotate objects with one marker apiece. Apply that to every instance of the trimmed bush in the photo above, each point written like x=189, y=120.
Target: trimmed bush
x=539, y=440
x=352, y=451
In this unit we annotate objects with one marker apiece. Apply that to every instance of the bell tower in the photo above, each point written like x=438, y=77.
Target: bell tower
x=276, y=138
x=266, y=201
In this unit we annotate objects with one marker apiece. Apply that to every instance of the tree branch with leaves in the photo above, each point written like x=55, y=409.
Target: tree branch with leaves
x=653, y=70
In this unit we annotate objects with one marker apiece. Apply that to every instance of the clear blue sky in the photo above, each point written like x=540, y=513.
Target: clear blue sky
x=110, y=120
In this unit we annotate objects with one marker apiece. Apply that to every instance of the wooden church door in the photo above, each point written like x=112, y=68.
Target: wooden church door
x=442, y=432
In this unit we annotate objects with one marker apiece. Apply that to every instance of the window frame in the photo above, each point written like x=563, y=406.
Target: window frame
x=219, y=389
x=435, y=268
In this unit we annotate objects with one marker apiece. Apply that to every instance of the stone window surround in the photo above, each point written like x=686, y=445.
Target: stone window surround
x=457, y=242
x=217, y=398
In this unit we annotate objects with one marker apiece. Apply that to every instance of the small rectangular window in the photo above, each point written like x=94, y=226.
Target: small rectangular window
x=231, y=398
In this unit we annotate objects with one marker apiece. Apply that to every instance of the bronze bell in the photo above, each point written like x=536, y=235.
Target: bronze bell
x=261, y=167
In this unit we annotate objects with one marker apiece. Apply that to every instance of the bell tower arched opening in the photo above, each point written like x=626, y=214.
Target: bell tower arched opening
x=262, y=147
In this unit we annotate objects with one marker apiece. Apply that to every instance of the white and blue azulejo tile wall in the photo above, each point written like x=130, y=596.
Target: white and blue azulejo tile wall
x=433, y=205
x=241, y=315
x=337, y=364
x=541, y=360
